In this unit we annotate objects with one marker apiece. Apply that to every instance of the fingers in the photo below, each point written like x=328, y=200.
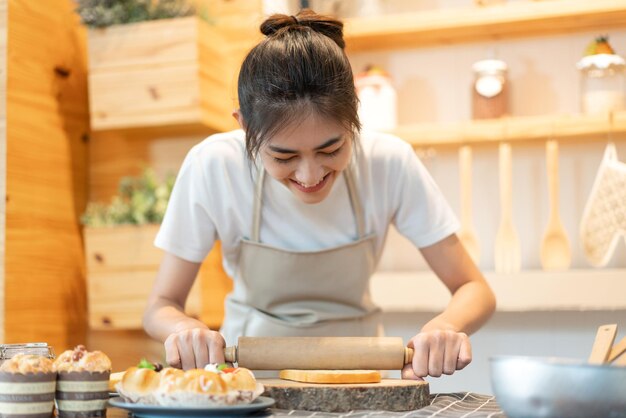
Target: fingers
x=408, y=373
x=194, y=348
x=438, y=352
x=172, y=357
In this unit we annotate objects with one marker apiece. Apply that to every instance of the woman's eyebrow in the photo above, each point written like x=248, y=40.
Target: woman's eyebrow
x=326, y=144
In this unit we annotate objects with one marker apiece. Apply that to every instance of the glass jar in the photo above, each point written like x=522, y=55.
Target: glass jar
x=377, y=100
x=490, y=90
x=9, y=350
x=602, y=83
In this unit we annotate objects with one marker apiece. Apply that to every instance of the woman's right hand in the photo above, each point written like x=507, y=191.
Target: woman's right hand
x=194, y=348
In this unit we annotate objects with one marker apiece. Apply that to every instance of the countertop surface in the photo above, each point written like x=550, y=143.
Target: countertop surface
x=449, y=405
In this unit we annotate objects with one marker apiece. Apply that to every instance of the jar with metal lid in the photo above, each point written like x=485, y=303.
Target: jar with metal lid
x=603, y=83
x=7, y=351
x=490, y=90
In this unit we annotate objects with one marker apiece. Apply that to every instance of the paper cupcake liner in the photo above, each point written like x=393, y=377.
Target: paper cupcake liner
x=82, y=394
x=27, y=395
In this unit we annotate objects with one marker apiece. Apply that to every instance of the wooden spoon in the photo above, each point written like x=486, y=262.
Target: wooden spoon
x=467, y=234
x=555, y=249
x=603, y=344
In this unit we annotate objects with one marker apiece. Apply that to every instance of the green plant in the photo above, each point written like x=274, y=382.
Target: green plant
x=103, y=13
x=140, y=200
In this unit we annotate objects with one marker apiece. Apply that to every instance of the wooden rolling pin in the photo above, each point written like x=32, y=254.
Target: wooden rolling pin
x=327, y=353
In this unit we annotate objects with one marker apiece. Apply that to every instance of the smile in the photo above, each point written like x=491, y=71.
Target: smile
x=312, y=188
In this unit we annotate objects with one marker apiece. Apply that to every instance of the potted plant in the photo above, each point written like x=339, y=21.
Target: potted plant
x=122, y=261
x=165, y=62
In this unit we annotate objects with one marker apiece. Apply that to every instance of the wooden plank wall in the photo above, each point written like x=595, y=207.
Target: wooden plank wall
x=3, y=149
x=47, y=128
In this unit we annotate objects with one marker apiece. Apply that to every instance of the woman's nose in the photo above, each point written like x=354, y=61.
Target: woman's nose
x=309, y=173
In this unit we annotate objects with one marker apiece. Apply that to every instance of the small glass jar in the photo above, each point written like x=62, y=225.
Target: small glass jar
x=602, y=83
x=7, y=351
x=490, y=90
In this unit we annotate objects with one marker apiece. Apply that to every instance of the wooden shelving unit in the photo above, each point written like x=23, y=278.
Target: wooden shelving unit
x=529, y=128
x=512, y=20
x=535, y=290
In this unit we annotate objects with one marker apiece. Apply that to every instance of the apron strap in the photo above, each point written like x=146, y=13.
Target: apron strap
x=355, y=202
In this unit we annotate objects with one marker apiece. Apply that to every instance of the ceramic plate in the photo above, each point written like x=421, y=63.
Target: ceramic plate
x=153, y=411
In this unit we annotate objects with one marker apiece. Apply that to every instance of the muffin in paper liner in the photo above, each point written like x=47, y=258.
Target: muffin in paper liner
x=28, y=394
x=82, y=394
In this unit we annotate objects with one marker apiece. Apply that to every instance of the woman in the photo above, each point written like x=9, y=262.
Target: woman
x=301, y=201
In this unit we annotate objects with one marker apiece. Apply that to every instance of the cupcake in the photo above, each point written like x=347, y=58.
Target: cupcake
x=82, y=383
x=27, y=384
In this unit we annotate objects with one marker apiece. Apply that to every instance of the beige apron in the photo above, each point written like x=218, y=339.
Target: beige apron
x=300, y=293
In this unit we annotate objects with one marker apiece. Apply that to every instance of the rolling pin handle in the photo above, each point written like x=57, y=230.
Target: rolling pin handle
x=408, y=355
x=230, y=354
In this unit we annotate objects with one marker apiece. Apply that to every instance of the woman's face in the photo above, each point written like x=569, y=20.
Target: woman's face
x=308, y=156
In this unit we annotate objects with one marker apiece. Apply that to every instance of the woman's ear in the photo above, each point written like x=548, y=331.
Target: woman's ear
x=239, y=118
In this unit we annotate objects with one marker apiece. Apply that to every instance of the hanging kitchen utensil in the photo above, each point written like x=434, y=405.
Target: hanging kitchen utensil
x=604, y=220
x=555, y=250
x=507, y=249
x=467, y=234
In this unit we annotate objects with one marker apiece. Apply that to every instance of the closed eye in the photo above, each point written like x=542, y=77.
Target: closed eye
x=283, y=160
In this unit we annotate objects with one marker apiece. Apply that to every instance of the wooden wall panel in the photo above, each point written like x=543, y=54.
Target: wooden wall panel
x=3, y=150
x=47, y=128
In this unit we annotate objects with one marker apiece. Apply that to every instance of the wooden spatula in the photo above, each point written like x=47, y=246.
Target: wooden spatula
x=603, y=344
x=467, y=234
x=507, y=254
x=555, y=249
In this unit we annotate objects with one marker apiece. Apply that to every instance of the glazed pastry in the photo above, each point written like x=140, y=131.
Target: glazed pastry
x=139, y=385
x=196, y=387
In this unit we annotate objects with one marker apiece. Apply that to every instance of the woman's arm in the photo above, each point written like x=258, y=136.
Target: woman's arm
x=442, y=345
x=472, y=302
x=189, y=343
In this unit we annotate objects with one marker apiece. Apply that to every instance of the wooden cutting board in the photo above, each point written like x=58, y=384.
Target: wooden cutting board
x=388, y=395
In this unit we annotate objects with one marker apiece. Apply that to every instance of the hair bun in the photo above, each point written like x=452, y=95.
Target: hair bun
x=325, y=25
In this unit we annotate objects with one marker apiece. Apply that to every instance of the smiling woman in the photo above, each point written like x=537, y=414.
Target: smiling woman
x=302, y=200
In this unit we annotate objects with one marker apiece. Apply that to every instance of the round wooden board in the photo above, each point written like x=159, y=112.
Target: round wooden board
x=388, y=395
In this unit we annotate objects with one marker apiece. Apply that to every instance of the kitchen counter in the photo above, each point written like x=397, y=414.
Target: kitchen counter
x=449, y=405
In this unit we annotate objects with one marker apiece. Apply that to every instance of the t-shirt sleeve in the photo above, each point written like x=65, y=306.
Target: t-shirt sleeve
x=188, y=228
x=422, y=213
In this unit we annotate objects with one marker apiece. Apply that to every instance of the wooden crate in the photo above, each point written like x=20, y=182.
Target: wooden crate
x=122, y=263
x=171, y=72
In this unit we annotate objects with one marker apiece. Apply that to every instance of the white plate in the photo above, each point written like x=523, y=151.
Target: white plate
x=150, y=411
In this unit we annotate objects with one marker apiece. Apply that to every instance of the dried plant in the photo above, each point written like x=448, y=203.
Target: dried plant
x=103, y=13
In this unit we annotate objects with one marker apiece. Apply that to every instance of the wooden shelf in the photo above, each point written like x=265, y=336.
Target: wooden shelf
x=512, y=20
x=527, y=128
x=572, y=290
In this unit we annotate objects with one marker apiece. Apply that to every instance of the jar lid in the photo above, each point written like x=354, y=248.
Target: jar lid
x=602, y=61
x=489, y=65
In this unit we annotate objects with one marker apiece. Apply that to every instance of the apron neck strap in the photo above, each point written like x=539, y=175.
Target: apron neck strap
x=355, y=202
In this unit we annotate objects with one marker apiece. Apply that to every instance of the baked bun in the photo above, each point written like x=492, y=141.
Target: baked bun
x=139, y=385
x=196, y=387
x=81, y=360
x=240, y=379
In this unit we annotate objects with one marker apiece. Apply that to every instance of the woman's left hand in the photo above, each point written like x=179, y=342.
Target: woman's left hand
x=437, y=352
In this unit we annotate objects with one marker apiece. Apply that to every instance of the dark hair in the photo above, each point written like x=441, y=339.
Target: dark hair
x=300, y=67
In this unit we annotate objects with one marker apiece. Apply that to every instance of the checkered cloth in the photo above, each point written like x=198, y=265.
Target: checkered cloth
x=449, y=405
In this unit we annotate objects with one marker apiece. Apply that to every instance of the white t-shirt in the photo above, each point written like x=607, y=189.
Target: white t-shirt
x=213, y=195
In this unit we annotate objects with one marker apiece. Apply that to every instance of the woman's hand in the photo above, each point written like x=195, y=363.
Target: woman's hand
x=194, y=348
x=437, y=352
